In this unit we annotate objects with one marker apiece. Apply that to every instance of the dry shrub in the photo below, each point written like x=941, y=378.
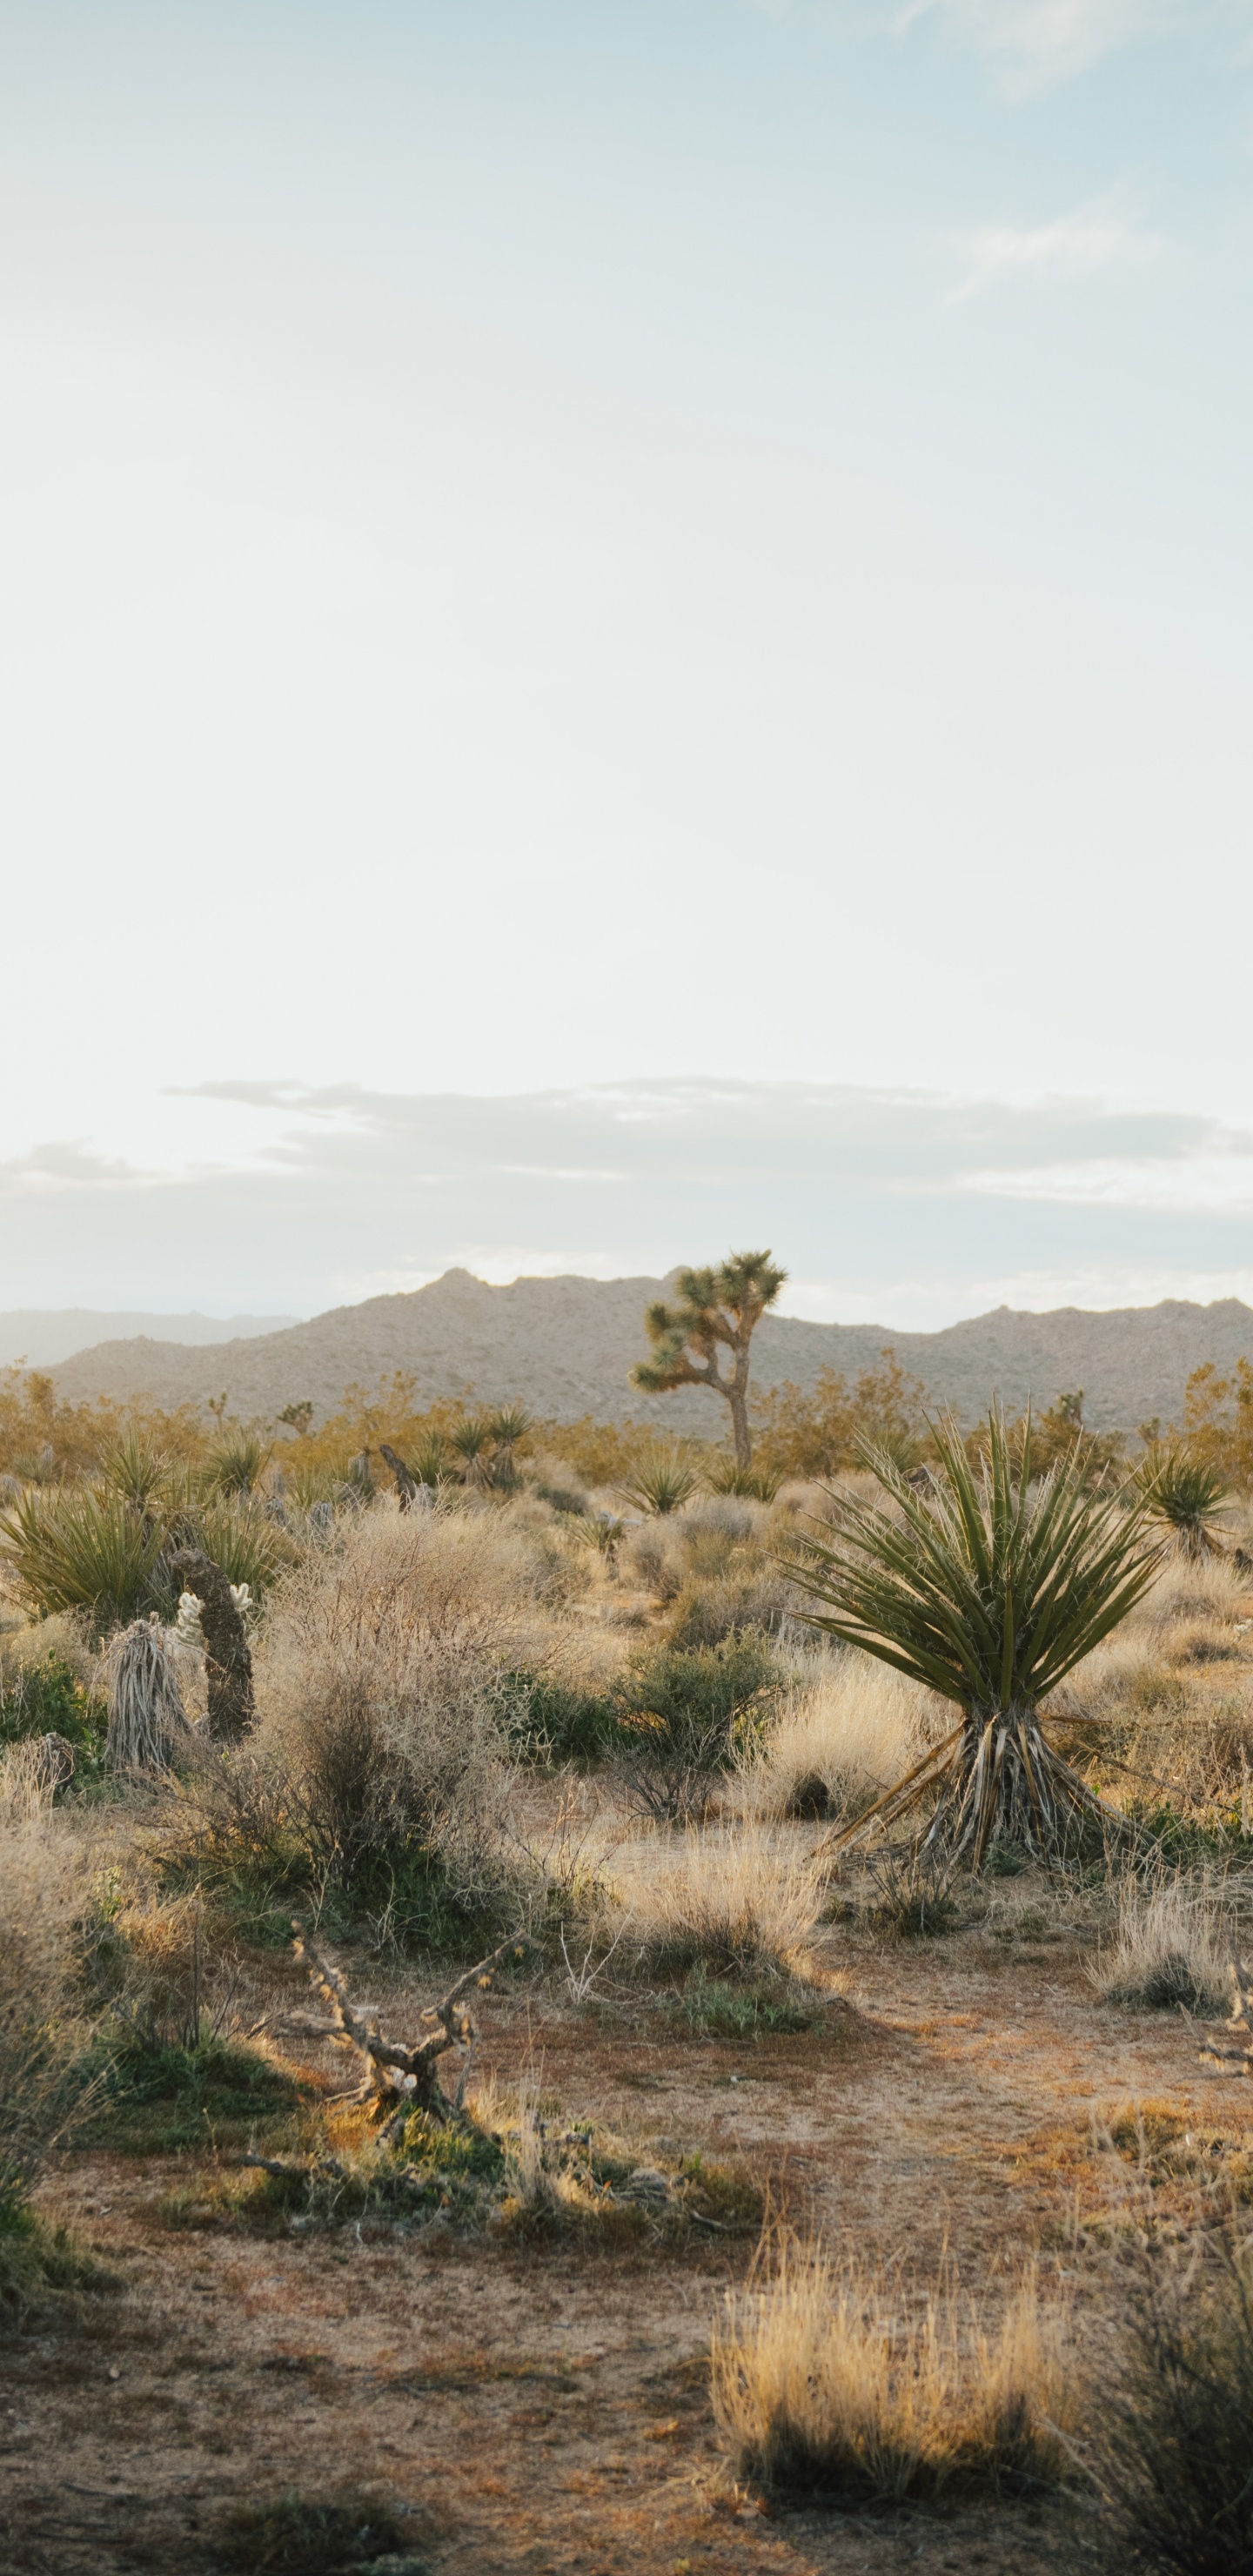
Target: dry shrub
x=44, y=1895
x=706, y=1611
x=653, y=1559
x=1170, y=1948
x=1176, y=2427
x=826, y=2385
x=375, y=1673
x=841, y=1738
x=729, y=1900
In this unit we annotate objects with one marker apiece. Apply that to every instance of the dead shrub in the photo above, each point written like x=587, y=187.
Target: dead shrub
x=44, y=1904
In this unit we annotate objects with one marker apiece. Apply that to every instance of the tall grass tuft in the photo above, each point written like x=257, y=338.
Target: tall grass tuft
x=1168, y=1949
x=827, y=2386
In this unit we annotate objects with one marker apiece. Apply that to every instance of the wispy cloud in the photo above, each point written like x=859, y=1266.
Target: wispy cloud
x=889, y=1208
x=1093, y=239
x=1034, y=44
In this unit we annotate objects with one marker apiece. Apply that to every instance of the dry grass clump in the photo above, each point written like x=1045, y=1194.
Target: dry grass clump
x=728, y=1901
x=1170, y=1948
x=826, y=2386
x=840, y=1739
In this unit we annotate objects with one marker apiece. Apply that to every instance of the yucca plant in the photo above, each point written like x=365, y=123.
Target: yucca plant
x=82, y=1550
x=237, y=1463
x=989, y=1591
x=1187, y=1496
x=507, y=1426
x=430, y=1461
x=470, y=1439
x=661, y=1482
x=147, y=1720
x=136, y=1467
x=756, y=1484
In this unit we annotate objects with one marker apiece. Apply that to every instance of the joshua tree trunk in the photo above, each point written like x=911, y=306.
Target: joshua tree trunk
x=737, y=1398
x=228, y=1664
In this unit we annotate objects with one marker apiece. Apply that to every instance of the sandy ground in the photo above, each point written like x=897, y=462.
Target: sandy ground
x=550, y=2411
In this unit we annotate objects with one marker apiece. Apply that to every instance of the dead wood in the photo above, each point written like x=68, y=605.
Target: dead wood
x=399, y=2078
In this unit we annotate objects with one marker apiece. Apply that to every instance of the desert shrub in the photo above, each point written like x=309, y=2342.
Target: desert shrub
x=685, y=1716
x=377, y=1669
x=743, y=2009
x=299, y=2535
x=837, y=1739
x=44, y=1904
x=732, y=1604
x=654, y=1557
x=727, y=1902
x=46, y=1695
x=551, y=1720
x=1169, y=1949
x=829, y=2386
x=1176, y=2426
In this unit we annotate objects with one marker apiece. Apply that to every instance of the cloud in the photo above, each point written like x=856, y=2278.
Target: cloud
x=1095, y=238
x=1034, y=44
x=890, y=1207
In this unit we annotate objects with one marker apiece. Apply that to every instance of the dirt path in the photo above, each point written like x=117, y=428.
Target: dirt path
x=550, y=2410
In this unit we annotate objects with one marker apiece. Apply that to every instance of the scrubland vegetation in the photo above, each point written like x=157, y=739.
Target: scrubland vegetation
x=625, y=1854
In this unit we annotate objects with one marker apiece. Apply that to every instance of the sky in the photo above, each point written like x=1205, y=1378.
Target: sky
x=623, y=628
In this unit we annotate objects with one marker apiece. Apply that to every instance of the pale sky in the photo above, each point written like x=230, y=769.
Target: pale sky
x=569, y=553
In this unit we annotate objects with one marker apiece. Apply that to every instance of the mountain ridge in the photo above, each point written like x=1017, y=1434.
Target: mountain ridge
x=564, y=1346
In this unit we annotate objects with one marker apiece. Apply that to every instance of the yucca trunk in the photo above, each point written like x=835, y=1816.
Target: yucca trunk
x=1000, y=1781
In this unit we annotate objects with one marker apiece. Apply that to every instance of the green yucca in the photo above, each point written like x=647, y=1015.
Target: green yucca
x=135, y=1467
x=239, y=1535
x=83, y=1550
x=756, y=1484
x=1187, y=1495
x=237, y=1463
x=989, y=1592
x=661, y=1482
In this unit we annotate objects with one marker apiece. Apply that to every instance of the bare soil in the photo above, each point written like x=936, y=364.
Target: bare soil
x=549, y=2409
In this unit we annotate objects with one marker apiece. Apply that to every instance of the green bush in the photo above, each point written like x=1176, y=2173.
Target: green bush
x=545, y=1720
x=685, y=1714
x=48, y=1699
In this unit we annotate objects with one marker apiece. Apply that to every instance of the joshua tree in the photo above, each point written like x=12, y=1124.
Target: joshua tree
x=406, y=1482
x=989, y=1593
x=717, y=1310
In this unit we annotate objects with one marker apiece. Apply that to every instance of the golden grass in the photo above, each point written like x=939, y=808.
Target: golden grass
x=1171, y=1946
x=826, y=2384
x=843, y=1735
x=726, y=1897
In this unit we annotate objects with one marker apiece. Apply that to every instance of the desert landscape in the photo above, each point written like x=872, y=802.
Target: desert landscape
x=524, y=2049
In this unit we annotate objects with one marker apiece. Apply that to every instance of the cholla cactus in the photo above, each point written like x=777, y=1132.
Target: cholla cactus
x=147, y=1720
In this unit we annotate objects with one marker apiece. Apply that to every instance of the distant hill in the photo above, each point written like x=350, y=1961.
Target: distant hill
x=564, y=1346
x=42, y=1337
